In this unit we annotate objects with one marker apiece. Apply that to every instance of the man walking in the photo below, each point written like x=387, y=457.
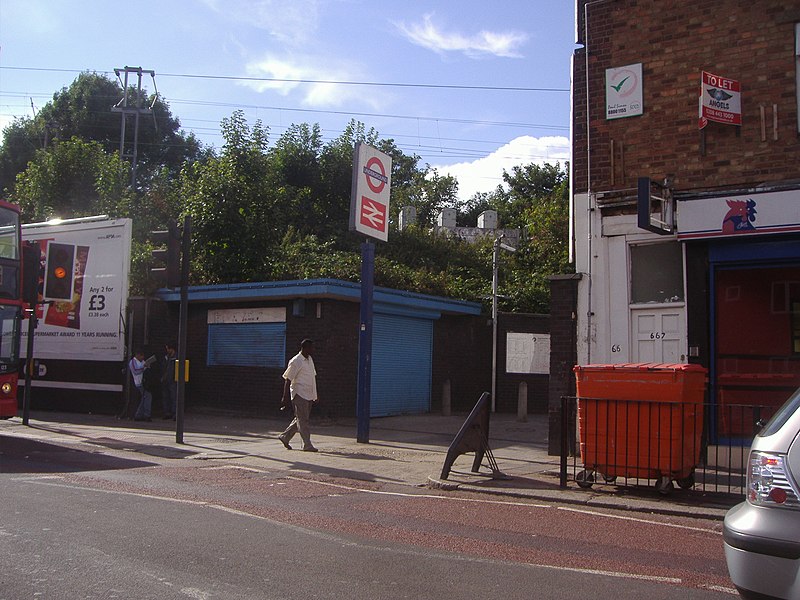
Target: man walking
x=301, y=381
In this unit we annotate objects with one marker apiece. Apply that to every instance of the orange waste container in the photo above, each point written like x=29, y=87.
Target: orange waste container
x=641, y=420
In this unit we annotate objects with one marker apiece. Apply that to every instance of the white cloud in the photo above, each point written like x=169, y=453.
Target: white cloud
x=291, y=22
x=430, y=36
x=485, y=174
x=293, y=73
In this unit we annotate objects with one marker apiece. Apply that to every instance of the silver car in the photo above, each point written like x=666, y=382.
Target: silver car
x=762, y=534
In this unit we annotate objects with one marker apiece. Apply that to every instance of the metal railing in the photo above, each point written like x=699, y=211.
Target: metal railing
x=699, y=447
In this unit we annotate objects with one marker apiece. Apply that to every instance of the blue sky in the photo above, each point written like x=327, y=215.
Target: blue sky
x=474, y=86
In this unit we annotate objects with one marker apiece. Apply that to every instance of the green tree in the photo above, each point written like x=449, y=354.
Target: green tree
x=537, y=201
x=522, y=185
x=421, y=187
x=84, y=110
x=236, y=211
x=333, y=193
x=75, y=178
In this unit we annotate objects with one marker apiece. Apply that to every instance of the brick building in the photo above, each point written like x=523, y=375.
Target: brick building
x=240, y=336
x=702, y=263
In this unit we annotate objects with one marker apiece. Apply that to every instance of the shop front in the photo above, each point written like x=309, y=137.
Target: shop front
x=749, y=245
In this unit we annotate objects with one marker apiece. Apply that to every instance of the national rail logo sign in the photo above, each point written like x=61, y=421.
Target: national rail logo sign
x=369, y=200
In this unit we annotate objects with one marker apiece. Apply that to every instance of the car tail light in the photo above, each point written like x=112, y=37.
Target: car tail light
x=769, y=483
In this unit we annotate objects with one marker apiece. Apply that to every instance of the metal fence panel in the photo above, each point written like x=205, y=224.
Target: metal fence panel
x=648, y=443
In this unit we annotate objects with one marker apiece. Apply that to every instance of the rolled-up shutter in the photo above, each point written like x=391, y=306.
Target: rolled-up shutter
x=402, y=352
x=247, y=344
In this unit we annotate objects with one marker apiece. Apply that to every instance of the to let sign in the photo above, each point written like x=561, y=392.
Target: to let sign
x=369, y=200
x=720, y=100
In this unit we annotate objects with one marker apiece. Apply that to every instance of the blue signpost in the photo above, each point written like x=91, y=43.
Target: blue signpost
x=369, y=214
x=365, y=342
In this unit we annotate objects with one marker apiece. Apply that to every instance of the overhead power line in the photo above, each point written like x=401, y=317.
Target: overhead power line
x=497, y=88
x=372, y=83
x=414, y=143
x=239, y=105
x=363, y=114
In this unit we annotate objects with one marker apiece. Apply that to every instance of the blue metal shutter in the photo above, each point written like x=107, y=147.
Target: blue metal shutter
x=247, y=345
x=402, y=352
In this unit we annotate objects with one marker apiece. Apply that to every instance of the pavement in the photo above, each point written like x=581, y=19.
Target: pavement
x=402, y=450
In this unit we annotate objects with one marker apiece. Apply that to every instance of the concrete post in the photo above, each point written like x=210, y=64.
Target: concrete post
x=446, y=398
x=522, y=402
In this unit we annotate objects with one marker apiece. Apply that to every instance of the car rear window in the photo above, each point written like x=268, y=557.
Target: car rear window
x=779, y=419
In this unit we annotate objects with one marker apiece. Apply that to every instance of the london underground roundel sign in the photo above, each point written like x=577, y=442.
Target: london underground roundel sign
x=369, y=201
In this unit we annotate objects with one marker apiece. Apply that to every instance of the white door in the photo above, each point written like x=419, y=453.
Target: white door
x=659, y=335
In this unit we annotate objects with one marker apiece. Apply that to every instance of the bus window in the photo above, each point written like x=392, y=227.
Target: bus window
x=9, y=337
x=9, y=234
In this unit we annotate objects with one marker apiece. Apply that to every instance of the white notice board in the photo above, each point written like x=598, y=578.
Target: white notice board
x=528, y=353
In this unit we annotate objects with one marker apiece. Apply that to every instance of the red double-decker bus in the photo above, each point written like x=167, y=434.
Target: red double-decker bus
x=11, y=305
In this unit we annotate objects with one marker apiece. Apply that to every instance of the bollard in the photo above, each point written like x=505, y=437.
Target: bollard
x=522, y=403
x=446, y=398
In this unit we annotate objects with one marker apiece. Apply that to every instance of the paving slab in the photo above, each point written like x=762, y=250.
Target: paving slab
x=408, y=450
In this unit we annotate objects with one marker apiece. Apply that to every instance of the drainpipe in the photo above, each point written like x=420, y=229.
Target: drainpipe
x=590, y=195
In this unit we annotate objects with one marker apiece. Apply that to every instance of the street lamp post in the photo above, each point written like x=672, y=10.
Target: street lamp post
x=498, y=244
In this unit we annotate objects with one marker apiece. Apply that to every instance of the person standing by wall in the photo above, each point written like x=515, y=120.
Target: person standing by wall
x=301, y=383
x=137, y=367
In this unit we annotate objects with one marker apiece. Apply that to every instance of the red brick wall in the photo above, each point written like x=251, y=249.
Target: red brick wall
x=753, y=42
x=461, y=353
x=508, y=383
x=257, y=391
x=563, y=313
x=462, y=349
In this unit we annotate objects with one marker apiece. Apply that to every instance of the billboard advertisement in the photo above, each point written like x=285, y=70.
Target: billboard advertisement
x=83, y=288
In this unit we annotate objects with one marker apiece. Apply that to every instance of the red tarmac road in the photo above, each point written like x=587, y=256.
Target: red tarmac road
x=676, y=551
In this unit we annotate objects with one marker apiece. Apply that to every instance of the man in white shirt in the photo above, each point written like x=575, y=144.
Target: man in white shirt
x=137, y=367
x=301, y=381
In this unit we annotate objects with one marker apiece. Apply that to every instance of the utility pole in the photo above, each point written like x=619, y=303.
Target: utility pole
x=175, y=273
x=498, y=244
x=186, y=242
x=135, y=110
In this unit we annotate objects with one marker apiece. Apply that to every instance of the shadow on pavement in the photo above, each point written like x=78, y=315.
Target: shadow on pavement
x=21, y=455
x=119, y=443
x=148, y=449
x=676, y=498
x=515, y=483
x=341, y=473
x=194, y=423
